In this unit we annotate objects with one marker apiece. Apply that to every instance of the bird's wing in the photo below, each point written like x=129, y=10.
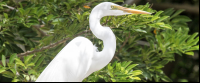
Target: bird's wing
x=71, y=63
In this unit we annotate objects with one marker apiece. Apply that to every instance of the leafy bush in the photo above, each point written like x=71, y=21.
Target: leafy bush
x=43, y=27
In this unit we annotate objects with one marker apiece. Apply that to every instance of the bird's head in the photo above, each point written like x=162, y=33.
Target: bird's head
x=112, y=9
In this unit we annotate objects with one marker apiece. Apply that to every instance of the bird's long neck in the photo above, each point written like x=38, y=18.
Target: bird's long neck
x=108, y=38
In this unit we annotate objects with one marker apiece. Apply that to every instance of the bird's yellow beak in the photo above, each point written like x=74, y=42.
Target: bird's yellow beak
x=128, y=10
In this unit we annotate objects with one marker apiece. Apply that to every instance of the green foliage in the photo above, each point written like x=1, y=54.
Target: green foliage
x=166, y=32
x=116, y=72
x=19, y=70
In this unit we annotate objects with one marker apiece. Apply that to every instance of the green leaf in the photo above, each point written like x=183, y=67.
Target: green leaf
x=168, y=12
x=113, y=80
x=2, y=69
x=21, y=10
x=167, y=26
x=136, y=78
x=30, y=64
x=12, y=58
x=136, y=72
x=39, y=62
x=128, y=63
x=19, y=42
x=3, y=59
x=165, y=78
x=181, y=18
x=140, y=30
x=19, y=62
x=123, y=63
x=158, y=13
x=162, y=18
x=191, y=38
x=131, y=66
x=36, y=58
x=27, y=59
x=49, y=17
x=177, y=13
x=40, y=11
x=190, y=53
x=113, y=64
x=15, y=80
x=110, y=68
x=154, y=18
x=5, y=15
x=193, y=48
x=118, y=66
x=13, y=70
x=8, y=74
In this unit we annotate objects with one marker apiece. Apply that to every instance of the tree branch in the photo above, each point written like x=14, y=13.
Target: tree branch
x=47, y=47
x=12, y=8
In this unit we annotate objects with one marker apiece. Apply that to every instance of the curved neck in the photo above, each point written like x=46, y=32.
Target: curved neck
x=108, y=38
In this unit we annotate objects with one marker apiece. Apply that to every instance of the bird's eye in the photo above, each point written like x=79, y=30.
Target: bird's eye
x=112, y=6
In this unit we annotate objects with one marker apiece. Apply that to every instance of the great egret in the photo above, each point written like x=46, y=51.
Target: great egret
x=79, y=58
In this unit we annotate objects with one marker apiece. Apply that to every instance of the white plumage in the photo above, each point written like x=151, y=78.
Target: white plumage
x=79, y=58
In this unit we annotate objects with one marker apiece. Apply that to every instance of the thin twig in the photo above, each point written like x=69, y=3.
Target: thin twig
x=115, y=56
x=106, y=21
x=37, y=27
x=12, y=8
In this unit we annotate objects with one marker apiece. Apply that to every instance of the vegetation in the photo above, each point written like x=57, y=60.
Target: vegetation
x=32, y=32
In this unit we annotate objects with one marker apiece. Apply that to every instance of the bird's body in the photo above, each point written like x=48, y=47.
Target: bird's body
x=79, y=58
x=71, y=69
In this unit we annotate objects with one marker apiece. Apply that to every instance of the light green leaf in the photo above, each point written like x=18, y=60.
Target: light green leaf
x=3, y=59
x=113, y=80
x=136, y=78
x=27, y=59
x=128, y=63
x=21, y=10
x=2, y=69
x=162, y=18
x=5, y=15
x=136, y=72
x=49, y=17
x=12, y=58
x=167, y=26
x=190, y=53
x=131, y=66
x=158, y=13
x=118, y=66
x=140, y=30
x=19, y=62
x=191, y=38
x=155, y=18
x=8, y=74
x=15, y=80
x=31, y=64
x=13, y=70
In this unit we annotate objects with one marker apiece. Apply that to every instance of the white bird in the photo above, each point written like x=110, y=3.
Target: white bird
x=79, y=58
